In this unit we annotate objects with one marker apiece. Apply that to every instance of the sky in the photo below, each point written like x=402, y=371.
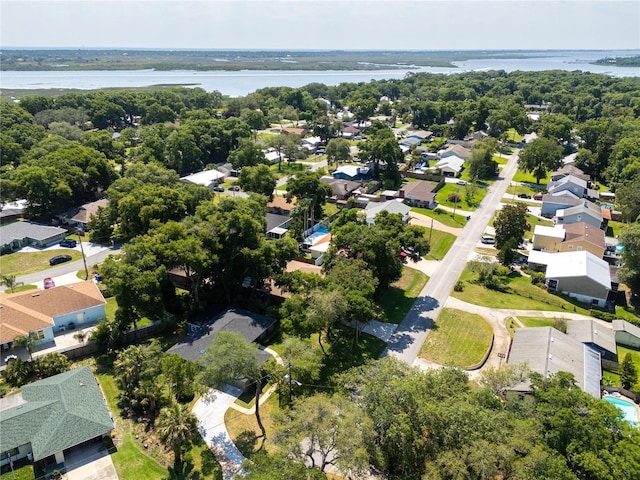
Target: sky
x=322, y=24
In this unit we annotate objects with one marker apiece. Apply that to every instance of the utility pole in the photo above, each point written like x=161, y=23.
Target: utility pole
x=430, y=231
x=84, y=258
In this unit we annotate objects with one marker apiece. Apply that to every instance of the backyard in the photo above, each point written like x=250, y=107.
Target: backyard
x=460, y=339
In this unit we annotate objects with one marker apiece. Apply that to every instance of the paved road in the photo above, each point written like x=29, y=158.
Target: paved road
x=406, y=342
x=65, y=268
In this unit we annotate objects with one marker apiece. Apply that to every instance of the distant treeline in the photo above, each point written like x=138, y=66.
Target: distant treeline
x=620, y=61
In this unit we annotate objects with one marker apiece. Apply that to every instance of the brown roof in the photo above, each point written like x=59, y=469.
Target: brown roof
x=419, y=190
x=24, y=312
x=351, y=129
x=282, y=204
x=297, y=131
x=584, y=231
x=606, y=213
x=570, y=170
x=83, y=214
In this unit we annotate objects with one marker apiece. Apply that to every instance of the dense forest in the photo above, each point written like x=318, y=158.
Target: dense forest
x=131, y=148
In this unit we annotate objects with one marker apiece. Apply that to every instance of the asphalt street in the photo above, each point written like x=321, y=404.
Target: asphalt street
x=408, y=338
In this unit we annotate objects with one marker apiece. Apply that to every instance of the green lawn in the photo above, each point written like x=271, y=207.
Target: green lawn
x=537, y=321
x=513, y=136
x=22, y=470
x=532, y=220
x=501, y=159
x=525, y=177
x=21, y=263
x=614, y=228
x=441, y=196
x=514, y=190
x=398, y=299
x=522, y=296
x=613, y=378
x=459, y=338
x=444, y=217
x=440, y=244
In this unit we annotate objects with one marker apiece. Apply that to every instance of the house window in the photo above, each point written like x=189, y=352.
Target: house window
x=594, y=301
x=11, y=453
x=552, y=284
x=571, y=246
x=39, y=334
x=579, y=248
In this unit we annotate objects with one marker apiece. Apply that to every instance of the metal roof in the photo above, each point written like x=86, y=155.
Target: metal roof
x=579, y=264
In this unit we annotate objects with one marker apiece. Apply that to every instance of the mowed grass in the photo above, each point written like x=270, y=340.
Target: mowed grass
x=532, y=220
x=440, y=244
x=522, y=295
x=525, y=177
x=21, y=263
x=537, y=321
x=244, y=431
x=443, y=193
x=396, y=300
x=444, y=217
x=528, y=189
x=612, y=378
x=460, y=339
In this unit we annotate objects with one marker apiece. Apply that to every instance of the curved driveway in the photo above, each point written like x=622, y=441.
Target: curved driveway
x=408, y=338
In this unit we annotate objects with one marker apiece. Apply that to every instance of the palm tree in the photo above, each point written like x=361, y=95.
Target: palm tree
x=80, y=336
x=10, y=281
x=27, y=341
x=176, y=425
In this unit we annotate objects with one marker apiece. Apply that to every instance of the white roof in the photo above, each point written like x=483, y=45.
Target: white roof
x=453, y=162
x=391, y=206
x=545, y=231
x=540, y=258
x=351, y=170
x=579, y=264
x=312, y=140
x=206, y=177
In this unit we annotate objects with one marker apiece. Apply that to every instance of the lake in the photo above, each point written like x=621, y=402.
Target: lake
x=240, y=83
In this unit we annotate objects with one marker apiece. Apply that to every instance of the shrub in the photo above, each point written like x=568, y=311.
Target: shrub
x=453, y=197
x=18, y=372
x=459, y=286
x=606, y=316
x=492, y=282
x=537, y=278
x=503, y=271
x=560, y=324
x=438, y=211
x=51, y=364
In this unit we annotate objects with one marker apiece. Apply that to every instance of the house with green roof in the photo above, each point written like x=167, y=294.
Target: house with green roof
x=51, y=416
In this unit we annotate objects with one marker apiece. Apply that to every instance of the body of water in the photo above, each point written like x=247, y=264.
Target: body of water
x=240, y=83
x=628, y=408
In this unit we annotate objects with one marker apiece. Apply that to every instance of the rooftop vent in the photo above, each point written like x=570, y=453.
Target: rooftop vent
x=35, y=294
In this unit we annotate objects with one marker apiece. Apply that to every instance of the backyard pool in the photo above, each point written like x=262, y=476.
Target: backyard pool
x=317, y=235
x=628, y=408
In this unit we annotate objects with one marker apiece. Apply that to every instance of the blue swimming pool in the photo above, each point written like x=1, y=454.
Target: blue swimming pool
x=628, y=408
x=317, y=235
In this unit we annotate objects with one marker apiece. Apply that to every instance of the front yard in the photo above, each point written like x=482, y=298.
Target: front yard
x=466, y=204
x=22, y=263
x=398, y=299
x=444, y=217
x=459, y=339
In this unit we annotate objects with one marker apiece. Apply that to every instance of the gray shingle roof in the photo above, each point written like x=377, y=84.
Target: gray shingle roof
x=250, y=325
x=590, y=331
x=60, y=412
x=19, y=230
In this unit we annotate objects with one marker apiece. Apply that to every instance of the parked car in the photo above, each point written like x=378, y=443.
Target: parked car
x=59, y=259
x=49, y=283
x=461, y=182
x=234, y=188
x=524, y=195
x=218, y=189
x=68, y=242
x=538, y=196
x=488, y=239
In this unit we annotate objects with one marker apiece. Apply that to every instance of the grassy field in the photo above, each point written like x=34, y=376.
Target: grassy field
x=528, y=189
x=537, y=321
x=21, y=263
x=441, y=197
x=522, y=296
x=397, y=300
x=532, y=220
x=440, y=244
x=22, y=470
x=500, y=159
x=459, y=338
x=525, y=177
x=444, y=217
x=614, y=228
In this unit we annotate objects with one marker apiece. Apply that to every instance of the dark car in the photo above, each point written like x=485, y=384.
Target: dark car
x=523, y=195
x=59, y=259
x=218, y=189
x=234, y=189
x=68, y=242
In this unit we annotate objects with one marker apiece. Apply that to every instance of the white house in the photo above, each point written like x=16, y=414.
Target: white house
x=450, y=166
x=208, y=178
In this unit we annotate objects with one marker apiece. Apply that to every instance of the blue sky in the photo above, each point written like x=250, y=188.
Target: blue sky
x=321, y=24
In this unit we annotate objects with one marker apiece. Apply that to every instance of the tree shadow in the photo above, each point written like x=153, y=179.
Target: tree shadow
x=247, y=442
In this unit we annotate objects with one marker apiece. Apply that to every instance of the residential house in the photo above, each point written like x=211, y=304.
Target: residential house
x=585, y=211
x=570, y=183
x=51, y=416
x=340, y=189
x=409, y=142
x=419, y=194
x=423, y=135
x=21, y=234
x=12, y=211
x=552, y=203
x=391, y=206
x=455, y=150
x=597, y=336
x=570, y=170
x=548, y=239
x=272, y=155
x=580, y=275
x=583, y=236
x=311, y=144
x=207, y=178
x=350, y=131
x=281, y=206
x=627, y=334
x=44, y=312
x=277, y=225
x=450, y=166
x=548, y=351
x=81, y=216
x=351, y=172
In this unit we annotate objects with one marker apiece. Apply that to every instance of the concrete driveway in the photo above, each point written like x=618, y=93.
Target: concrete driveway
x=91, y=462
